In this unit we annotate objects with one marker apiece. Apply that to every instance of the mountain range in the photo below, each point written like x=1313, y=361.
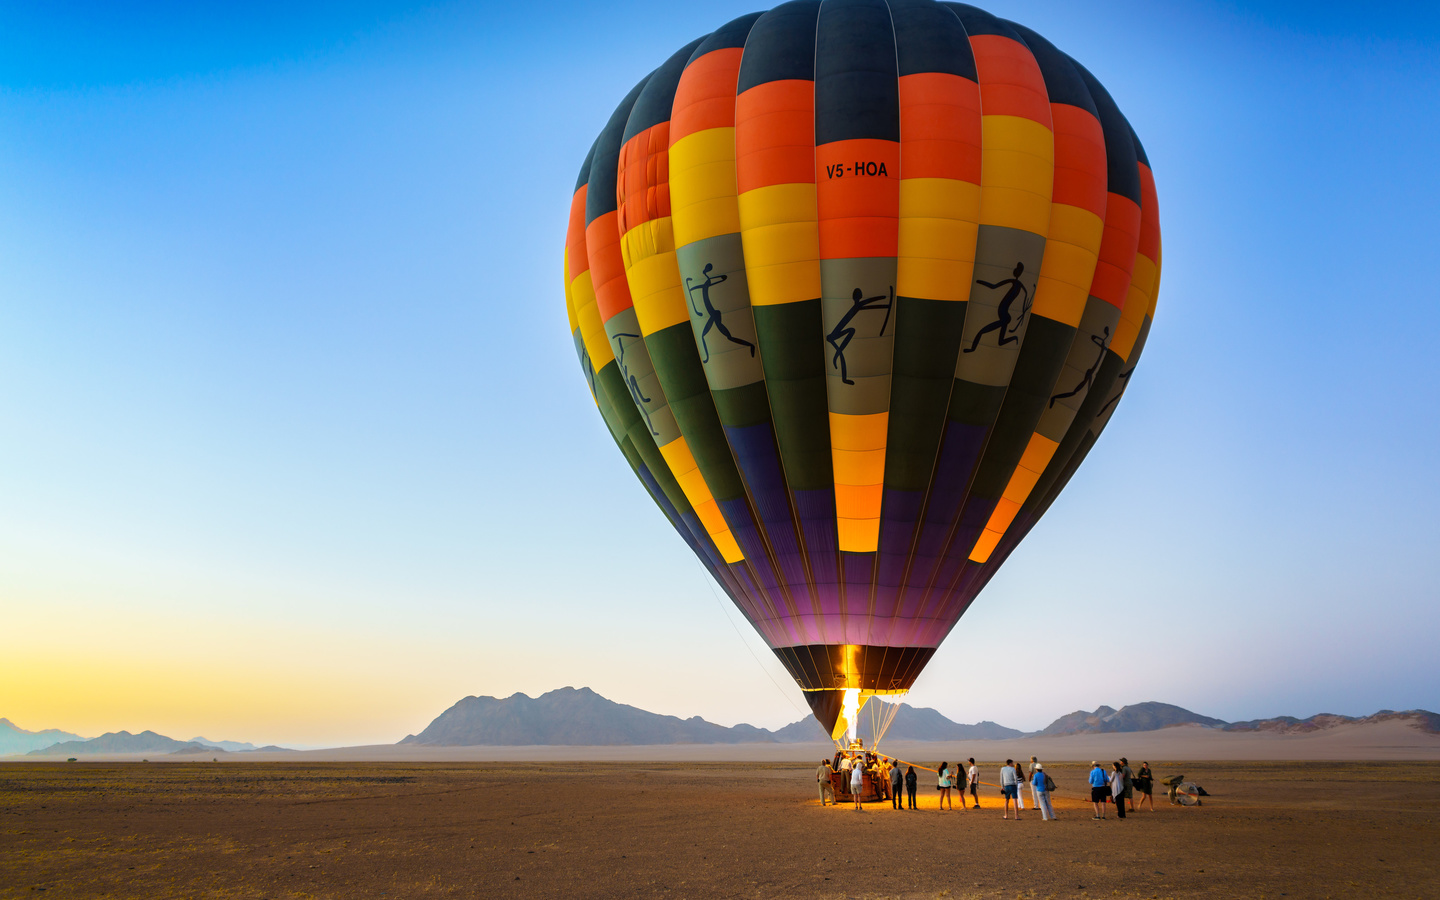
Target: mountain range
x=14, y=739
x=144, y=742
x=579, y=716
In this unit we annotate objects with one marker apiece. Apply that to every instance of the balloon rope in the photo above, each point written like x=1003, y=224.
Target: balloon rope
x=726, y=613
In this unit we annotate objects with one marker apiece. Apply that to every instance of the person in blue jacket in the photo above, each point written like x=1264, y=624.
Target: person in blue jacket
x=1099, y=788
x=1042, y=794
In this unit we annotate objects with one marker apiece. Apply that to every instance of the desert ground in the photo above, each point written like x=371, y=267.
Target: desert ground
x=723, y=828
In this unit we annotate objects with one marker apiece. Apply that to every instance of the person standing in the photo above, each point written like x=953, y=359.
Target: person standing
x=1010, y=787
x=973, y=779
x=857, y=784
x=911, y=782
x=1129, y=782
x=1117, y=789
x=1019, y=794
x=1030, y=779
x=1040, y=789
x=1099, y=787
x=822, y=777
x=1145, y=784
x=897, y=781
x=942, y=783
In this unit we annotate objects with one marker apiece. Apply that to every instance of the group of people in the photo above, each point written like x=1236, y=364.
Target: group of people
x=1119, y=785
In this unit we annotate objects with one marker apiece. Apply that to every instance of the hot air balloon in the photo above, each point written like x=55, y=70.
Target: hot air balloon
x=856, y=285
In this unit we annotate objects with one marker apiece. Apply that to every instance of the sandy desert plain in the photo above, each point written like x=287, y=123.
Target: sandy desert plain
x=1340, y=814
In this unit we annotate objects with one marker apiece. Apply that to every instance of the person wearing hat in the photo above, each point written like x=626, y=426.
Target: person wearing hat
x=1030, y=779
x=822, y=777
x=1040, y=788
x=1099, y=788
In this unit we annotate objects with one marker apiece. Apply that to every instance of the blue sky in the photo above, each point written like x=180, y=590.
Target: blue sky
x=294, y=446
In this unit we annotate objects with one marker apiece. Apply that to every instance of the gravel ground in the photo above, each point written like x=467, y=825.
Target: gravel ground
x=253, y=830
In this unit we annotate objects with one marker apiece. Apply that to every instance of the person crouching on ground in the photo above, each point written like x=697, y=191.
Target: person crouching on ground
x=1040, y=789
x=911, y=783
x=857, y=783
x=822, y=775
x=897, y=781
x=1117, y=789
x=1010, y=787
x=1099, y=787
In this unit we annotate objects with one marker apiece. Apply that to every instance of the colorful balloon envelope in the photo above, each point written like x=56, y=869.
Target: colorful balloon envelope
x=856, y=285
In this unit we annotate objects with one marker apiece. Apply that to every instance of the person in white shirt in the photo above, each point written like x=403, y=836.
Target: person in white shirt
x=973, y=778
x=1010, y=787
x=857, y=782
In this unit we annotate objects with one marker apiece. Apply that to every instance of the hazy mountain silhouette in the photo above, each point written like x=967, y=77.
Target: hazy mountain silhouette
x=144, y=742
x=1420, y=718
x=223, y=745
x=576, y=716
x=1150, y=716
x=911, y=723
x=579, y=716
x=114, y=742
x=16, y=740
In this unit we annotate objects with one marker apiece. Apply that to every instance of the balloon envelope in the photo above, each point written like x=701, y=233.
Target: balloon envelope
x=856, y=285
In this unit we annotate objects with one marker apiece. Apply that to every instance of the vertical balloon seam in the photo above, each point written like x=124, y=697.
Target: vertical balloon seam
x=939, y=414
x=720, y=381
x=1015, y=454
x=605, y=408
x=629, y=387
x=768, y=289
x=663, y=320
x=1017, y=125
x=857, y=198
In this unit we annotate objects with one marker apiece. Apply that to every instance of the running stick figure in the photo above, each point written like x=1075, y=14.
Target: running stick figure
x=1002, y=324
x=712, y=315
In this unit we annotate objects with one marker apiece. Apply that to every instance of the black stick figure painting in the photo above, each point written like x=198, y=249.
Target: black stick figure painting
x=1102, y=343
x=711, y=314
x=843, y=333
x=635, y=394
x=1006, y=324
x=1124, y=378
x=589, y=369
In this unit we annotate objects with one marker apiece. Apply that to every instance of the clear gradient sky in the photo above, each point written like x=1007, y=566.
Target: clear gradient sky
x=294, y=447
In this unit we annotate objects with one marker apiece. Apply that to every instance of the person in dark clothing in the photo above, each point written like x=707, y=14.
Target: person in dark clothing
x=910, y=783
x=897, y=779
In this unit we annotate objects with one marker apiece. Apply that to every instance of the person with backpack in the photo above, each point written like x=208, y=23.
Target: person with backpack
x=911, y=782
x=1040, y=786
